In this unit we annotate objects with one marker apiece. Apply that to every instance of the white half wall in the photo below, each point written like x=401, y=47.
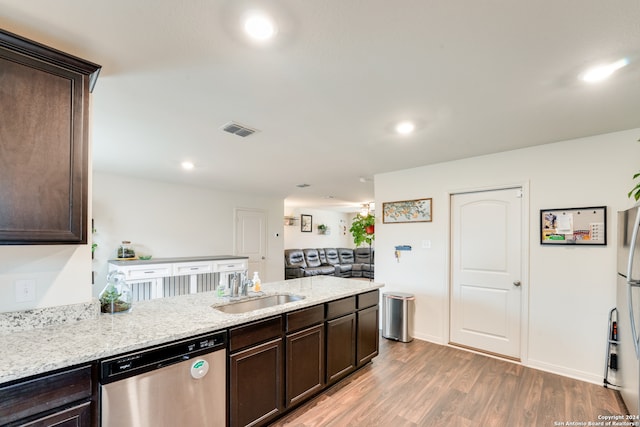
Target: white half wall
x=569, y=290
x=172, y=220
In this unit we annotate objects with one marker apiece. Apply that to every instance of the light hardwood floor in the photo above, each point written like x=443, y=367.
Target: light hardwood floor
x=425, y=384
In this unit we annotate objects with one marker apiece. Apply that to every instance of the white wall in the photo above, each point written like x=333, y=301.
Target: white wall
x=62, y=274
x=171, y=220
x=338, y=222
x=570, y=290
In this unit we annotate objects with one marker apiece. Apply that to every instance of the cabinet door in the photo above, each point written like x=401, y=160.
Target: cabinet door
x=367, y=334
x=305, y=364
x=256, y=384
x=341, y=347
x=77, y=416
x=44, y=105
x=28, y=398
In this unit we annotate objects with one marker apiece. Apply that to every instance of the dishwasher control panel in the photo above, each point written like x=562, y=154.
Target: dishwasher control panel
x=130, y=364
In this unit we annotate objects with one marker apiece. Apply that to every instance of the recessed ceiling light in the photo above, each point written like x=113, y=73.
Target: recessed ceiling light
x=259, y=27
x=602, y=72
x=405, y=128
x=187, y=166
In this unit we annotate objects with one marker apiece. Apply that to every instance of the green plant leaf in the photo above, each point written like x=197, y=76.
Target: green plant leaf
x=359, y=227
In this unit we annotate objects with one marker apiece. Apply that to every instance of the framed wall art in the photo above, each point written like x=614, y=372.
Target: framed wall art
x=574, y=226
x=406, y=211
x=306, y=223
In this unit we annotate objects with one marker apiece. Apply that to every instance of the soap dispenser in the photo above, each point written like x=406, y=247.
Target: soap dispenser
x=256, y=282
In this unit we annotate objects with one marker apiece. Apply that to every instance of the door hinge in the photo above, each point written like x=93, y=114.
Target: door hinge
x=519, y=194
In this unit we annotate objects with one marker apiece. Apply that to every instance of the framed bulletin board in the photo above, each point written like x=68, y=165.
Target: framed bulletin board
x=574, y=226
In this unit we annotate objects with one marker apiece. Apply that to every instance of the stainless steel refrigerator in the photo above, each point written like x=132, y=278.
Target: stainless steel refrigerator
x=628, y=308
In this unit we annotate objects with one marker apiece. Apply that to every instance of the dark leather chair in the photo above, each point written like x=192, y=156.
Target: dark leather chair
x=344, y=269
x=341, y=262
x=364, y=262
x=314, y=265
x=304, y=263
x=294, y=263
x=332, y=256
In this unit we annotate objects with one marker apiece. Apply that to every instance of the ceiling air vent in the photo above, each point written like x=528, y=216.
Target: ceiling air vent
x=238, y=129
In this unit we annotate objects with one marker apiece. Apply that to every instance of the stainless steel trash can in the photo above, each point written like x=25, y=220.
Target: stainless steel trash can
x=397, y=316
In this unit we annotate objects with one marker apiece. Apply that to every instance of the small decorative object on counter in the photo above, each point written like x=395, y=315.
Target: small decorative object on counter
x=125, y=251
x=116, y=297
x=221, y=289
x=256, y=282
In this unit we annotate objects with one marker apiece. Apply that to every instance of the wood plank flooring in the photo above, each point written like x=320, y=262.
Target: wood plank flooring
x=425, y=384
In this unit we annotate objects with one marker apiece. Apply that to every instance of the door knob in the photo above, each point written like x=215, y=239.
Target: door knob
x=517, y=283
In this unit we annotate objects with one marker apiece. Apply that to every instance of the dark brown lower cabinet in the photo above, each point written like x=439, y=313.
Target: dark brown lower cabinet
x=368, y=334
x=76, y=416
x=256, y=392
x=277, y=363
x=341, y=347
x=305, y=364
x=61, y=399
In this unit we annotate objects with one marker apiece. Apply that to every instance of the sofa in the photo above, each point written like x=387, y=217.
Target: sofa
x=340, y=262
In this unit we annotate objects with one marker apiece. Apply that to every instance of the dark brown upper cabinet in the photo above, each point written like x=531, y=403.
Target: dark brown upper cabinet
x=44, y=133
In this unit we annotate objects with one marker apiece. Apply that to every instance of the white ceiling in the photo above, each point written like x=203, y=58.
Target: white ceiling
x=477, y=77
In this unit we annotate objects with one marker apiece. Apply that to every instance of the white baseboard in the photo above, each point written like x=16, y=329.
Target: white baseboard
x=532, y=363
x=566, y=372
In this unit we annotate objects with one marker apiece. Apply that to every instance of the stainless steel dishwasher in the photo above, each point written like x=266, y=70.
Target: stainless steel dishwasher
x=178, y=384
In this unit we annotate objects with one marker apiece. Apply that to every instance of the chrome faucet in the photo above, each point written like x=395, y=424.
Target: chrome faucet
x=239, y=284
x=244, y=284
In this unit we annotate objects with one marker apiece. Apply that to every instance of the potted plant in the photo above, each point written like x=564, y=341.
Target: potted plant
x=322, y=229
x=116, y=296
x=362, y=229
x=111, y=302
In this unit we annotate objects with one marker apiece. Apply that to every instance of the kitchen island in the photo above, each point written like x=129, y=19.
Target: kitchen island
x=342, y=310
x=153, y=322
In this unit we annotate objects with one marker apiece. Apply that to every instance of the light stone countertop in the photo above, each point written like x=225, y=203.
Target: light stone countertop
x=150, y=323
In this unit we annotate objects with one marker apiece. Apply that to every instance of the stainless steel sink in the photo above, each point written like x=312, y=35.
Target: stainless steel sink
x=257, y=303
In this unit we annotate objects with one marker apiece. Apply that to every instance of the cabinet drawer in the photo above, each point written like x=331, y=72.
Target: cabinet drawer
x=368, y=299
x=230, y=265
x=147, y=271
x=254, y=333
x=188, y=268
x=30, y=397
x=303, y=318
x=341, y=307
x=79, y=415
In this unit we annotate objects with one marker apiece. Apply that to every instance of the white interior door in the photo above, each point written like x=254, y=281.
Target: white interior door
x=486, y=240
x=251, y=239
